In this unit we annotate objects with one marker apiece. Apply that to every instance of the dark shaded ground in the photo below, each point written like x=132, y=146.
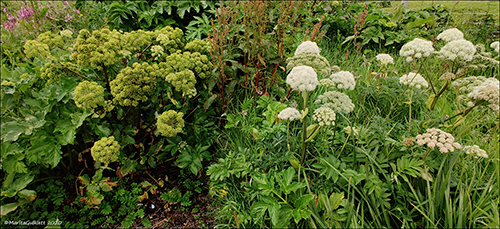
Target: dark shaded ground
x=200, y=214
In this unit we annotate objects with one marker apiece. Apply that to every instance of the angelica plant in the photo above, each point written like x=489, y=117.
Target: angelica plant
x=170, y=123
x=89, y=95
x=106, y=150
x=137, y=83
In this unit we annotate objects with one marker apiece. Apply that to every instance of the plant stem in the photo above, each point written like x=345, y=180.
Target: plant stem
x=305, y=95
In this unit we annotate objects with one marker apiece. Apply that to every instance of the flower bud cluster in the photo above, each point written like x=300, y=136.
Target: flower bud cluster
x=458, y=50
x=66, y=34
x=302, y=78
x=170, y=123
x=34, y=48
x=450, y=35
x=307, y=47
x=436, y=137
x=89, y=95
x=314, y=60
x=184, y=81
x=344, y=80
x=488, y=91
x=413, y=80
x=171, y=39
x=50, y=39
x=495, y=45
x=137, y=83
x=289, y=113
x=351, y=130
x=197, y=45
x=101, y=47
x=105, y=150
x=52, y=72
x=416, y=49
x=475, y=151
x=157, y=51
x=466, y=85
x=324, y=116
x=385, y=59
x=337, y=101
x=136, y=41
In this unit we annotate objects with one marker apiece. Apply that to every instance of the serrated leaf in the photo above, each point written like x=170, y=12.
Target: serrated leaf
x=303, y=201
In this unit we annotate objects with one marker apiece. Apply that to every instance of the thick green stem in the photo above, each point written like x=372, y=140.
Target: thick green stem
x=436, y=96
x=305, y=95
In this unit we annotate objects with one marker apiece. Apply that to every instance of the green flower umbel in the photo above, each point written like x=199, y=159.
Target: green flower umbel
x=170, y=123
x=106, y=150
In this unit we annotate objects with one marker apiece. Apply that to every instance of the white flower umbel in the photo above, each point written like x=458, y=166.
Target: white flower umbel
x=307, y=46
x=417, y=48
x=458, y=50
x=337, y=101
x=413, y=80
x=324, y=116
x=302, y=78
x=450, y=35
x=495, y=45
x=351, y=130
x=289, y=114
x=488, y=91
x=385, y=59
x=475, y=151
x=343, y=80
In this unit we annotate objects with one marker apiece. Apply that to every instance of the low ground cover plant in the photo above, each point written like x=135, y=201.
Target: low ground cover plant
x=278, y=123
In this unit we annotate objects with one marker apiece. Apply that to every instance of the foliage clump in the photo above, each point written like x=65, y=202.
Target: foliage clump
x=137, y=83
x=106, y=150
x=89, y=95
x=170, y=123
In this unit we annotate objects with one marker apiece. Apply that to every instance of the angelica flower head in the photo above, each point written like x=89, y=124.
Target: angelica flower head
x=289, y=113
x=458, y=50
x=307, y=46
x=89, y=95
x=170, y=123
x=475, y=151
x=438, y=138
x=450, y=35
x=415, y=49
x=351, y=130
x=66, y=33
x=106, y=150
x=495, y=45
x=413, y=80
x=337, y=101
x=324, y=116
x=319, y=63
x=487, y=91
x=385, y=59
x=157, y=51
x=302, y=78
x=344, y=80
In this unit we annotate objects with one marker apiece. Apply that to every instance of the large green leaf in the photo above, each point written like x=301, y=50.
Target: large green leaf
x=6, y=208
